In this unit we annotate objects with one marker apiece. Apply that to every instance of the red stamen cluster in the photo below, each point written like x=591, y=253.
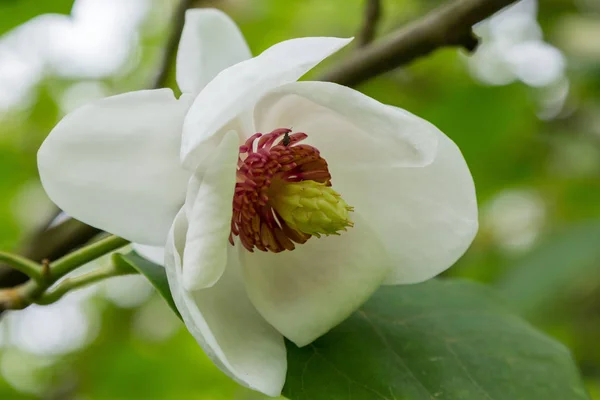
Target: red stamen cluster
x=262, y=165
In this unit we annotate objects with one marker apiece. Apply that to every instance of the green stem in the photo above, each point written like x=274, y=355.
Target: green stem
x=44, y=276
x=22, y=264
x=83, y=280
x=68, y=263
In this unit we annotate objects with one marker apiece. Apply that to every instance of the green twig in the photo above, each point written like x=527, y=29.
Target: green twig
x=81, y=281
x=34, y=290
x=22, y=264
x=68, y=263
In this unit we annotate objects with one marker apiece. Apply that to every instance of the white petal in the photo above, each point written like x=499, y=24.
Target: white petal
x=205, y=254
x=305, y=292
x=337, y=118
x=237, y=88
x=423, y=207
x=210, y=42
x=225, y=323
x=114, y=164
x=156, y=254
x=431, y=214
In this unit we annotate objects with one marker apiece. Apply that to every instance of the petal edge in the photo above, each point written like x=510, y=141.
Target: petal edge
x=225, y=324
x=238, y=87
x=210, y=42
x=114, y=164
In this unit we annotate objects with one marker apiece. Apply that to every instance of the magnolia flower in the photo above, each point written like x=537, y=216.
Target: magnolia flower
x=282, y=205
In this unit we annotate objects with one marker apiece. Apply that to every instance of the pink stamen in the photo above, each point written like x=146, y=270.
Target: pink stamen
x=260, y=163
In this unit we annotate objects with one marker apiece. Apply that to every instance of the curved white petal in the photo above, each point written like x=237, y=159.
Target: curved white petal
x=305, y=292
x=337, y=118
x=432, y=218
x=205, y=254
x=415, y=189
x=225, y=323
x=210, y=42
x=237, y=88
x=114, y=164
x=156, y=254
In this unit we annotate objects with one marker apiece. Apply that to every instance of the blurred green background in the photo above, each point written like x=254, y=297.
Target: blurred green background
x=525, y=110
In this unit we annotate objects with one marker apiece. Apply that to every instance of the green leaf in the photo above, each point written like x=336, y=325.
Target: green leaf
x=542, y=276
x=16, y=12
x=440, y=340
x=155, y=273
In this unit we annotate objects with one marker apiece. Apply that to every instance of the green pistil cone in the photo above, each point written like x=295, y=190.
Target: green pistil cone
x=312, y=208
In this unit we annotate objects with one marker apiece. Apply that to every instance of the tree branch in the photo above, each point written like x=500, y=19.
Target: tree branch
x=21, y=296
x=49, y=244
x=369, y=28
x=448, y=25
x=172, y=44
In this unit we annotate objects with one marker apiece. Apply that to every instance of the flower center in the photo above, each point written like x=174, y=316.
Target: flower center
x=283, y=194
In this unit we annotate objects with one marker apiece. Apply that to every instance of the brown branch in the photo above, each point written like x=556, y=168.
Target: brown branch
x=55, y=242
x=448, y=25
x=371, y=19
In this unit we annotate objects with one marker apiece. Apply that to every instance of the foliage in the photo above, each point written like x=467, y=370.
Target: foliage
x=442, y=340
x=154, y=273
